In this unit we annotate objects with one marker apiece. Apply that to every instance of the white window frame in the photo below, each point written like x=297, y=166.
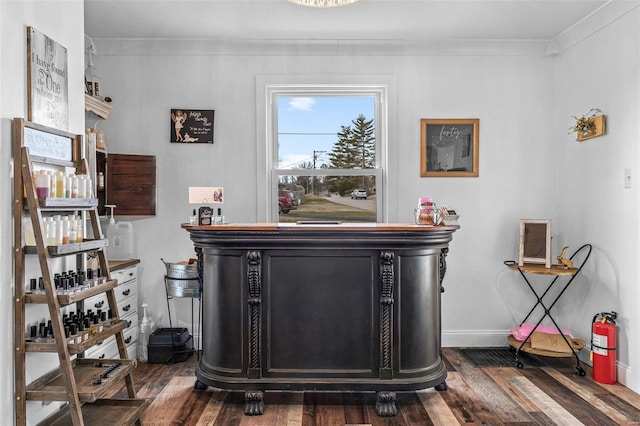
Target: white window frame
x=268, y=153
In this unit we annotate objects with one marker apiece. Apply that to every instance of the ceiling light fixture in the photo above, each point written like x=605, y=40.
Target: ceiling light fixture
x=323, y=3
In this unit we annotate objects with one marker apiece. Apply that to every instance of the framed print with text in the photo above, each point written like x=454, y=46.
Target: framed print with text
x=449, y=147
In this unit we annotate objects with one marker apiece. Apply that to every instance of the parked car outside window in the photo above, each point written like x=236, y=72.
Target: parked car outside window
x=358, y=194
x=286, y=202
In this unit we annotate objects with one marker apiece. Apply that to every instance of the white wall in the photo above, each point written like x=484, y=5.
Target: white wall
x=62, y=21
x=592, y=203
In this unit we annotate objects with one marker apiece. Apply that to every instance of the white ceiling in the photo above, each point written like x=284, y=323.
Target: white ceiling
x=404, y=20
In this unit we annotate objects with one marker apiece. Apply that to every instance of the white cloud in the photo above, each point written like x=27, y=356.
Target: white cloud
x=302, y=104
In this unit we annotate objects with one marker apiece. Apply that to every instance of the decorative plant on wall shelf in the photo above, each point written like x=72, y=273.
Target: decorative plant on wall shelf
x=589, y=125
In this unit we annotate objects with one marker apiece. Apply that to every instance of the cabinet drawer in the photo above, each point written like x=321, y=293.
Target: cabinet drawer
x=131, y=336
x=105, y=350
x=131, y=329
x=131, y=319
x=125, y=290
x=127, y=306
x=99, y=301
x=108, y=348
x=125, y=275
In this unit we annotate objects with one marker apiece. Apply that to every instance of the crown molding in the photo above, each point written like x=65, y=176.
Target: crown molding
x=601, y=18
x=244, y=47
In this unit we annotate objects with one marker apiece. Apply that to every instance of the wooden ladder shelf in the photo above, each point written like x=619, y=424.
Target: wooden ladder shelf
x=83, y=383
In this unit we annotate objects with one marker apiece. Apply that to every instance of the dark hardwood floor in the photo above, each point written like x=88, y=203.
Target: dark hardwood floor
x=546, y=391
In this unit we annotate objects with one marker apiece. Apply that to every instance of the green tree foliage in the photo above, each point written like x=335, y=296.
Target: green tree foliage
x=343, y=155
x=355, y=148
x=364, y=142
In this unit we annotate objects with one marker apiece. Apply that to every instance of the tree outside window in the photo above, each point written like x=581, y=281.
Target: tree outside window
x=326, y=144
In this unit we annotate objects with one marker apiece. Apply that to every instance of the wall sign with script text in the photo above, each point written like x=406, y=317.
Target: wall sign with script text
x=47, y=81
x=449, y=147
x=192, y=125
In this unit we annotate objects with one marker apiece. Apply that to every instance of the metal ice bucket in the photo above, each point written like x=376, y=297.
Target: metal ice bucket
x=182, y=279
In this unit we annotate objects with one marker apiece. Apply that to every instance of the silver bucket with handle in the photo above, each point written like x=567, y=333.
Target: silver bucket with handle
x=181, y=279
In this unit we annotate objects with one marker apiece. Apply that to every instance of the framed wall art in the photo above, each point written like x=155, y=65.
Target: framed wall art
x=449, y=147
x=192, y=125
x=47, y=81
x=535, y=242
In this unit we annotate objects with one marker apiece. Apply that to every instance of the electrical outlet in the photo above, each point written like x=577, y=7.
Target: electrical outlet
x=627, y=178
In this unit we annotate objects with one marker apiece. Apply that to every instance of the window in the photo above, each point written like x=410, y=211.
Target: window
x=325, y=147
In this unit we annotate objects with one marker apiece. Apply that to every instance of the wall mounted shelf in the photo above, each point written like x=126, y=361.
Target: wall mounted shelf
x=600, y=123
x=100, y=108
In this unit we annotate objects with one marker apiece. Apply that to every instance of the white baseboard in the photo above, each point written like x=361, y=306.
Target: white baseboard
x=623, y=373
x=474, y=338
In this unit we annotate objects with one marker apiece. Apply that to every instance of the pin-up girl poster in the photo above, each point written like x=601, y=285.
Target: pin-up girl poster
x=192, y=126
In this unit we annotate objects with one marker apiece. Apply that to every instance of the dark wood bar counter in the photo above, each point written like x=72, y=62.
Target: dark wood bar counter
x=345, y=307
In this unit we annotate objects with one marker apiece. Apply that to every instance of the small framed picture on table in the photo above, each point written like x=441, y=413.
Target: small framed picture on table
x=535, y=242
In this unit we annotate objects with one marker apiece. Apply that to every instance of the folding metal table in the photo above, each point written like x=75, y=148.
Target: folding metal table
x=556, y=271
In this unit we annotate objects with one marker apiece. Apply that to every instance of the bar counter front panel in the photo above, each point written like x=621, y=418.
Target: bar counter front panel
x=319, y=307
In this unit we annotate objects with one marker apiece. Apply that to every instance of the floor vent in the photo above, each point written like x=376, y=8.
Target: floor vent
x=499, y=357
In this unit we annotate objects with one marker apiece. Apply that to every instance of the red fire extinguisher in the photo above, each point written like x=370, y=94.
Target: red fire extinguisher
x=603, y=347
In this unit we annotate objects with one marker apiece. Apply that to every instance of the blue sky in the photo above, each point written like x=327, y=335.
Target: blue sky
x=308, y=124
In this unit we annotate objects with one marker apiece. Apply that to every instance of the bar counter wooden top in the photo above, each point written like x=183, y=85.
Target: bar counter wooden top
x=320, y=225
